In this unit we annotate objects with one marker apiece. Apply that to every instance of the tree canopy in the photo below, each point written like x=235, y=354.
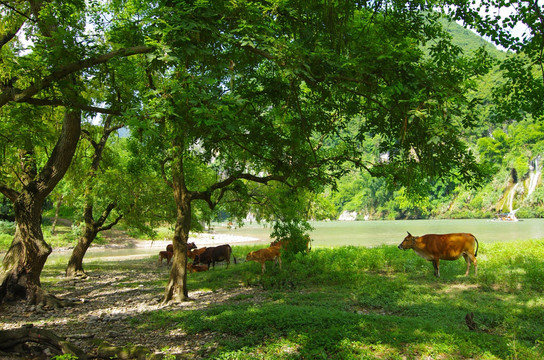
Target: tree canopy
x=231, y=101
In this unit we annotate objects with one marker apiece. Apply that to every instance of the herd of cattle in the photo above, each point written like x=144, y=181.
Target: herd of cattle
x=431, y=247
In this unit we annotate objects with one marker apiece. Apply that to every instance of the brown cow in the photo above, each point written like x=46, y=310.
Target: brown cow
x=263, y=255
x=196, y=268
x=213, y=254
x=436, y=247
x=190, y=246
x=165, y=255
x=195, y=252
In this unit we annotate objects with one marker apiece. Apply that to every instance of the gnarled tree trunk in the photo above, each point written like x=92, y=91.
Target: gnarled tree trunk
x=27, y=254
x=92, y=228
x=22, y=266
x=75, y=264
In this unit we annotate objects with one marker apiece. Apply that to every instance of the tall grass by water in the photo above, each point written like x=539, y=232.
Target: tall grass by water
x=366, y=303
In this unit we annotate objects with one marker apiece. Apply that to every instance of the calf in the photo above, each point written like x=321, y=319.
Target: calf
x=165, y=255
x=263, y=255
x=436, y=247
x=195, y=252
x=213, y=254
x=196, y=268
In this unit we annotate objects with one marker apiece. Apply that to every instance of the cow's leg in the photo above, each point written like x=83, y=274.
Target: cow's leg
x=263, y=267
x=279, y=260
x=471, y=258
x=467, y=259
x=436, y=265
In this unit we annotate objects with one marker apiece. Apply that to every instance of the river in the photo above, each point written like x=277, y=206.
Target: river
x=375, y=233
x=334, y=233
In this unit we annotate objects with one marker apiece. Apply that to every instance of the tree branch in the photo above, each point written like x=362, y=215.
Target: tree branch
x=11, y=194
x=33, y=89
x=85, y=107
x=110, y=225
x=163, y=173
x=222, y=185
x=102, y=219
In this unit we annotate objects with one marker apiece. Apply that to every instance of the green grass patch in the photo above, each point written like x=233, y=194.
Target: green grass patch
x=355, y=303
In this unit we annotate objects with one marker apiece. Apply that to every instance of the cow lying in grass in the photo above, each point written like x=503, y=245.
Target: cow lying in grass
x=263, y=255
x=196, y=268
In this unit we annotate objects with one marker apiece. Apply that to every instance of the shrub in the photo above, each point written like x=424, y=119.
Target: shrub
x=293, y=236
x=7, y=227
x=5, y=241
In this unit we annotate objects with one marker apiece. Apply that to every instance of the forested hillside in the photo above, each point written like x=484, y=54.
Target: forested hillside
x=511, y=146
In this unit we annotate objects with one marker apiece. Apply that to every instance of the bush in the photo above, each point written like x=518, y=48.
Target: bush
x=5, y=241
x=7, y=227
x=293, y=236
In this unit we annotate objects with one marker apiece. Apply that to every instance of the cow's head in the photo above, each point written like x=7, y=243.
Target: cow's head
x=191, y=246
x=408, y=242
x=250, y=256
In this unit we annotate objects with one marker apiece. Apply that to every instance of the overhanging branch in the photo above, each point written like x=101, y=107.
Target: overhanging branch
x=85, y=107
x=30, y=91
x=9, y=192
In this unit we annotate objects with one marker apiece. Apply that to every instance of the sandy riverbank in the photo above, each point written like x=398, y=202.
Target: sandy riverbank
x=201, y=240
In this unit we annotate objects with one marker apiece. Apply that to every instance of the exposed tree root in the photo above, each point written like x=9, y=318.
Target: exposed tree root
x=80, y=273
x=15, y=340
x=44, y=300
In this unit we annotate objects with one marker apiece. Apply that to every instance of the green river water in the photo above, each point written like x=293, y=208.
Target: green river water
x=358, y=233
x=375, y=233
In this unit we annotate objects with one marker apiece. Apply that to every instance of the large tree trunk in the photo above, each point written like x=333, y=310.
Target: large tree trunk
x=27, y=254
x=92, y=228
x=22, y=266
x=176, y=289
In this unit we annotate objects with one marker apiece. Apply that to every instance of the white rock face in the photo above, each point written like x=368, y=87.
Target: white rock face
x=348, y=216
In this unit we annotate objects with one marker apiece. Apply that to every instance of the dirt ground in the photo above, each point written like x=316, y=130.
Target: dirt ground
x=103, y=311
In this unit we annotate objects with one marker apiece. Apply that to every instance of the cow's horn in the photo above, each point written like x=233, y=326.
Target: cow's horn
x=409, y=233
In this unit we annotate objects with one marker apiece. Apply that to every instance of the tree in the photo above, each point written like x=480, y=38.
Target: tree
x=42, y=100
x=286, y=92
x=93, y=225
x=522, y=92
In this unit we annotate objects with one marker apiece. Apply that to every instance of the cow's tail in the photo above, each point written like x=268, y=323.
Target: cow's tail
x=477, y=246
x=233, y=257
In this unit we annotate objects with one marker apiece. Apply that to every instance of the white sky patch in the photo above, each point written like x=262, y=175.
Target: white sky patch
x=520, y=30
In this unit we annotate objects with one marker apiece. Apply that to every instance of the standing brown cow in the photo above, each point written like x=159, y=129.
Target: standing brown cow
x=212, y=254
x=263, y=255
x=436, y=247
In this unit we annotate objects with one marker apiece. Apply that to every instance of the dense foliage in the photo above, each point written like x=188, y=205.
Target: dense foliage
x=510, y=145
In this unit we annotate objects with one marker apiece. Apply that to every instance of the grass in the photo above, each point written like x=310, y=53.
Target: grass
x=361, y=303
